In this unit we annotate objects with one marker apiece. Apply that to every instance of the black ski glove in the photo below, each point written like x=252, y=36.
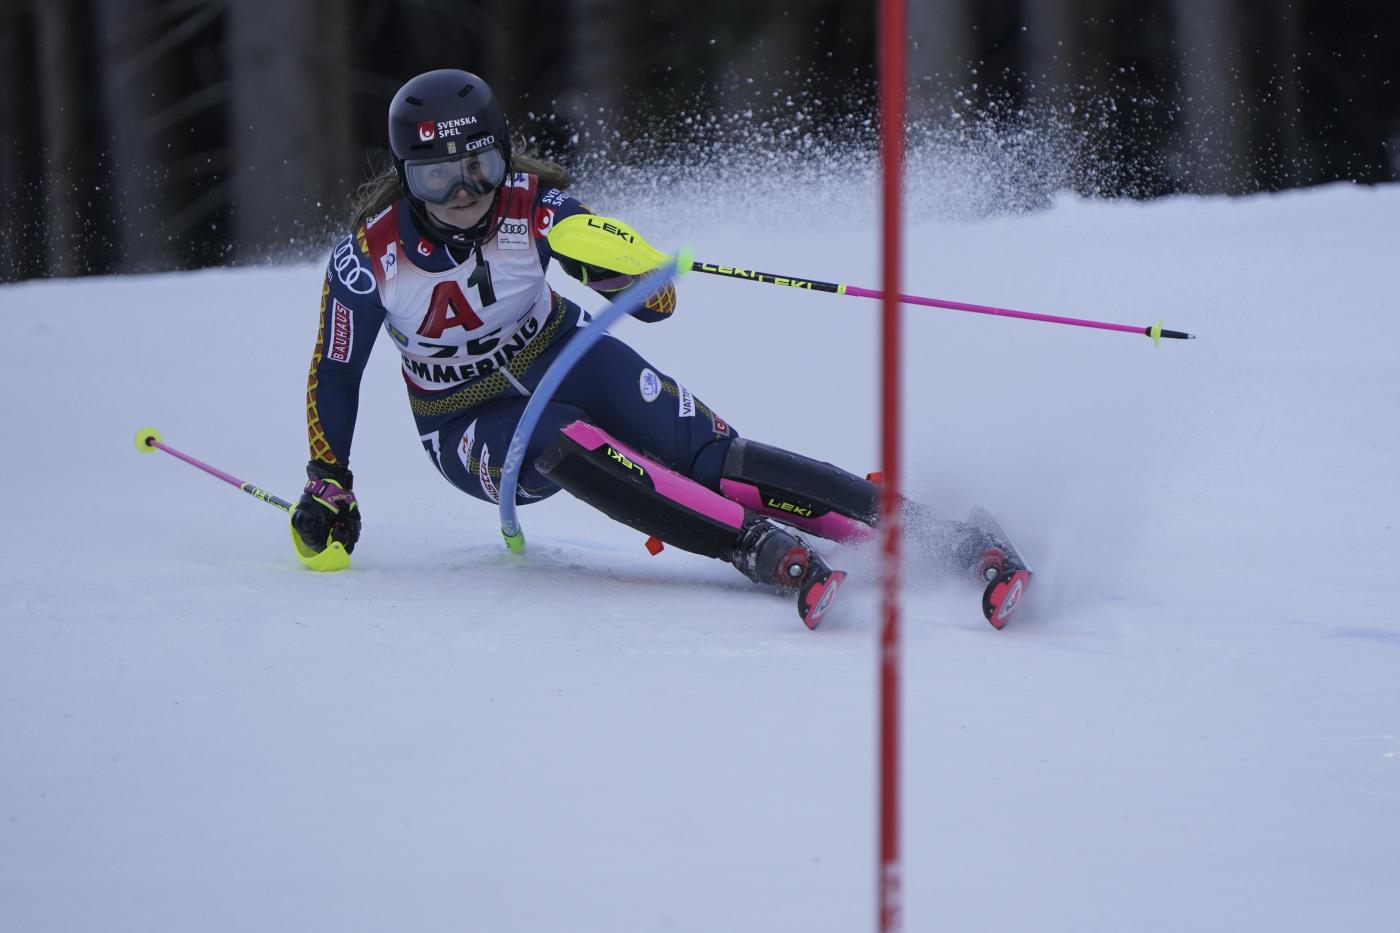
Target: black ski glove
x=600, y=280
x=327, y=510
x=609, y=283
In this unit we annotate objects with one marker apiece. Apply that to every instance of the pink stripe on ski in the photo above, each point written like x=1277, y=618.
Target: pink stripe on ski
x=832, y=526
x=666, y=481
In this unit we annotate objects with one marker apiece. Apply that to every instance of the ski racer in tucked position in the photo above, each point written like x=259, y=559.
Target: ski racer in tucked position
x=448, y=255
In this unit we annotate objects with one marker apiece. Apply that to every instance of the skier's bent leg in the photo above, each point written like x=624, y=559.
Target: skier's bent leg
x=633, y=489
x=471, y=450
x=801, y=491
x=827, y=501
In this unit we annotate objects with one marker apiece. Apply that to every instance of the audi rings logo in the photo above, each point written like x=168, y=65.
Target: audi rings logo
x=348, y=268
x=427, y=131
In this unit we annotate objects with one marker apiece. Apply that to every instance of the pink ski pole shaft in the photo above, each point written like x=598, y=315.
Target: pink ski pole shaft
x=148, y=440
x=1155, y=331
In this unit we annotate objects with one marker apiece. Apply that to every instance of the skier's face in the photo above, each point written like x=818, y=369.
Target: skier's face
x=463, y=210
x=458, y=191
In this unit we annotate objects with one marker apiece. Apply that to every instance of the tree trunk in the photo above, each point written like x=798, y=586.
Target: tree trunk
x=1299, y=162
x=133, y=91
x=21, y=177
x=940, y=55
x=1213, y=91
x=67, y=204
x=595, y=78
x=498, y=25
x=1068, y=54
x=767, y=54
x=291, y=133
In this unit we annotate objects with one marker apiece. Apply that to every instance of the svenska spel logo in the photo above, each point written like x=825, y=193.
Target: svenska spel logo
x=427, y=131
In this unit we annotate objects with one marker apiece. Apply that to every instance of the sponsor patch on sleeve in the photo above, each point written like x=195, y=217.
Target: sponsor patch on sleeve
x=342, y=332
x=685, y=402
x=649, y=384
x=544, y=220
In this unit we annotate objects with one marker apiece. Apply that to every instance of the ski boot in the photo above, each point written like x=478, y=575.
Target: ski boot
x=989, y=557
x=1006, y=580
x=773, y=556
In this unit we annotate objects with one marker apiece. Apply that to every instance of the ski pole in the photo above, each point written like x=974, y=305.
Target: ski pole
x=609, y=243
x=334, y=557
x=1155, y=331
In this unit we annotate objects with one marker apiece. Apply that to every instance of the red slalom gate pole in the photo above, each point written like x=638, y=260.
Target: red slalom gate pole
x=892, y=39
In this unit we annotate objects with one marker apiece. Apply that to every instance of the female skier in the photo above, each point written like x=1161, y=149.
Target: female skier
x=448, y=254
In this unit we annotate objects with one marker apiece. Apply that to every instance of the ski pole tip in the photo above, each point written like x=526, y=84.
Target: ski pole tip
x=1157, y=333
x=514, y=542
x=146, y=440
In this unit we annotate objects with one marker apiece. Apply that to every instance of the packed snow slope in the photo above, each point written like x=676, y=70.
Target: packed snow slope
x=1196, y=726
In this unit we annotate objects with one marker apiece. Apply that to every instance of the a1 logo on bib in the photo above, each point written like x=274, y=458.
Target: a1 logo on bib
x=650, y=385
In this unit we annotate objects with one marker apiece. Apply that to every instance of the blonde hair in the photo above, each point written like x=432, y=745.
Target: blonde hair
x=382, y=189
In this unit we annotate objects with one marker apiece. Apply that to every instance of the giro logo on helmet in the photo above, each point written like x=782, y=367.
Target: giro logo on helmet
x=427, y=131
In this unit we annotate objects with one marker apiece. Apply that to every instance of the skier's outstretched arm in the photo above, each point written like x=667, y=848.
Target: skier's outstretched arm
x=351, y=314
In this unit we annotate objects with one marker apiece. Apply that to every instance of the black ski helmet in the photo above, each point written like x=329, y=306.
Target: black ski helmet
x=444, y=116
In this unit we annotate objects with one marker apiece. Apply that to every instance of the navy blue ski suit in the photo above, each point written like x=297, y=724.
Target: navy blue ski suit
x=476, y=331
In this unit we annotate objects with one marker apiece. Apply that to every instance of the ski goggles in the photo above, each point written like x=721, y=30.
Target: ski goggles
x=480, y=173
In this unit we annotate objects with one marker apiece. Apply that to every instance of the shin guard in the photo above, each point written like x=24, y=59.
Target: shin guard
x=799, y=491
x=639, y=492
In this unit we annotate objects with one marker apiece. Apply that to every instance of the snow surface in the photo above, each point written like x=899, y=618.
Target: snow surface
x=1198, y=728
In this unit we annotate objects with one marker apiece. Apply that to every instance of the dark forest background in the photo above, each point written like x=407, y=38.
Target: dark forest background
x=138, y=135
